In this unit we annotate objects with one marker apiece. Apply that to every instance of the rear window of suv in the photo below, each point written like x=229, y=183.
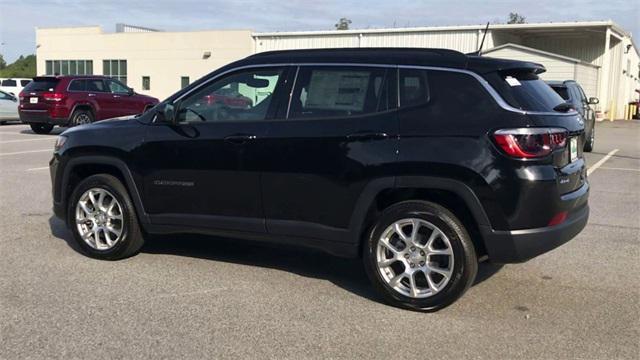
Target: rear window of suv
x=41, y=85
x=524, y=90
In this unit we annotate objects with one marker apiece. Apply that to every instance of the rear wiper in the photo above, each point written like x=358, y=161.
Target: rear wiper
x=564, y=107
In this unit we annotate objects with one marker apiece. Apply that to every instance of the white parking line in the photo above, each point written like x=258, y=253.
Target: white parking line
x=25, y=152
x=15, y=141
x=617, y=168
x=39, y=168
x=601, y=161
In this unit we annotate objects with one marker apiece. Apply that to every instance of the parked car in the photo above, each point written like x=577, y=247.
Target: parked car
x=8, y=107
x=573, y=94
x=13, y=85
x=421, y=161
x=75, y=100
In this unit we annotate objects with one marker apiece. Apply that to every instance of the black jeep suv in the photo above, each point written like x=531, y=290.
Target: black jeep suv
x=421, y=161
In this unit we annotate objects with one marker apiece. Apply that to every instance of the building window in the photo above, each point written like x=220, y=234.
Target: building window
x=184, y=82
x=146, y=83
x=69, y=67
x=116, y=69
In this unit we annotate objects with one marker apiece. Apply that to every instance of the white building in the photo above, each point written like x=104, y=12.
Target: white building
x=598, y=54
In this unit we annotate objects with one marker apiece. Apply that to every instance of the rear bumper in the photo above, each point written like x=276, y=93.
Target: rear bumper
x=521, y=245
x=39, y=117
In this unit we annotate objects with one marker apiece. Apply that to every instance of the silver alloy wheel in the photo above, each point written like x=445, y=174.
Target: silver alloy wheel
x=415, y=258
x=83, y=119
x=99, y=219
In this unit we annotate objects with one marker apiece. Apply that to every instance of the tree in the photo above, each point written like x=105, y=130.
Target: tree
x=3, y=64
x=515, y=18
x=343, y=24
x=24, y=67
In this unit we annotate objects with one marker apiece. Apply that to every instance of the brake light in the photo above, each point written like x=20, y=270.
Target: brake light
x=528, y=143
x=53, y=97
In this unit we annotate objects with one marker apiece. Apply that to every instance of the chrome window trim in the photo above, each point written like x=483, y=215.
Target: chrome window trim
x=485, y=84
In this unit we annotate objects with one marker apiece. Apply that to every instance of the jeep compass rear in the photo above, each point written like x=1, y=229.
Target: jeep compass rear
x=420, y=161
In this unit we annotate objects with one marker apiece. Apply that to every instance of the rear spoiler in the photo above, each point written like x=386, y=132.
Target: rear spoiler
x=483, y=65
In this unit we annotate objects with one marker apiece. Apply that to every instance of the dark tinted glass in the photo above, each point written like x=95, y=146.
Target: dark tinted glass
x=95, y=85
x=524, y=90
x=42, y=85
x=414, y=87
x=78, y=85
x=562, y=91
x=243, y=96
x=338, y=91
x=24, y=83
x=9, y=83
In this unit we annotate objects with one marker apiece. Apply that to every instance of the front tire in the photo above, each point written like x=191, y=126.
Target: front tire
x=41, y=128
x=102, y=219
x=419, y=256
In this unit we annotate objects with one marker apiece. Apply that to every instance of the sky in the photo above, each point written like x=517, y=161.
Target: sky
x=19, y=18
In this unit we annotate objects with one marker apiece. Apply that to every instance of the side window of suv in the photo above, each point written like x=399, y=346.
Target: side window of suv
x=414, y=87
x=117, y=87
x=96, y=85
x=78, y=85
x=242, y=96
x=333, y=91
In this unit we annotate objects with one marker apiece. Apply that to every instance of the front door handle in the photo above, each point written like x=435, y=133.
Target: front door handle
x=367, y=136
x=239, y=139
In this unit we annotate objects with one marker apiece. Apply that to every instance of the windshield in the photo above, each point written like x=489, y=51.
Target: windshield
x=42, y=85
x=524, y=90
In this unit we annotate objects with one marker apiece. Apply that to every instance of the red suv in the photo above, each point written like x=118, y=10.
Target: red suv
x=76, y=100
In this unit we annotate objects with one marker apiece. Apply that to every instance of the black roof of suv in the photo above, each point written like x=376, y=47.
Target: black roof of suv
x=399, y=56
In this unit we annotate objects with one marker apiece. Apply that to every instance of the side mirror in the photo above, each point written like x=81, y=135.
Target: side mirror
x=166, y=114
x=593, y=100
x=130, y=91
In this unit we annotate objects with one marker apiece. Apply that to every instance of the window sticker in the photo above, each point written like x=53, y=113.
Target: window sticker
x=344, y=90
x=512, y=81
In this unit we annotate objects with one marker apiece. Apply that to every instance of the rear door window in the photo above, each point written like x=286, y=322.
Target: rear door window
x=414, y=87
x=24, y=83
x=78, y=85
x=96, y=85
x=332, y=91
x=523, y=89
x=45, y=84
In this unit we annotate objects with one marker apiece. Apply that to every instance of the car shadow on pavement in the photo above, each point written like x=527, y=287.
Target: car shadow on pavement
x=55, y=132
x=348, y=274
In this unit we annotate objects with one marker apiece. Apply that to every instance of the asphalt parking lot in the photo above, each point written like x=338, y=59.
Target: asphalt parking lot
x=195, y=297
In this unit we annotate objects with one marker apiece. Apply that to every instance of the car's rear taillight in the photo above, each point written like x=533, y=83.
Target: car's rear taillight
x=528, y=143
x=53, y=97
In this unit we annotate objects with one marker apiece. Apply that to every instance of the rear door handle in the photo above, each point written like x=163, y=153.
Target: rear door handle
x=367, y=136
x=92, y=94
x=239, y=139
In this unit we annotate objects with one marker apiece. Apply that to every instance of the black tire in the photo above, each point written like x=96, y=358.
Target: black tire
x=588, y=145
x=81, y=117
x=465, y=261
x=41, y=128
x=131, y=240
x=3, y=122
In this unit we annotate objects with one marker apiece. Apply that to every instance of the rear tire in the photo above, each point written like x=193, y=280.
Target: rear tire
x=41, y=128
x=81, y=117
x=433, y=270
x=111, y=232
